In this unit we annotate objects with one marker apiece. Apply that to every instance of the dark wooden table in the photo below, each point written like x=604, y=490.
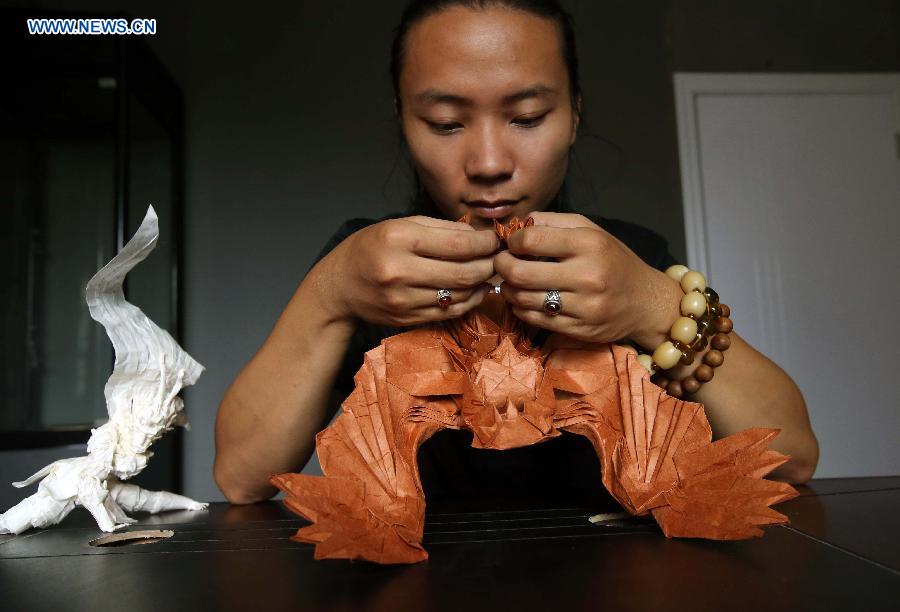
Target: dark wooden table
x=841, y=552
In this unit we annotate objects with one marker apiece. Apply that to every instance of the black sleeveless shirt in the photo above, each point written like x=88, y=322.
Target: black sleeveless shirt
x=562, y=470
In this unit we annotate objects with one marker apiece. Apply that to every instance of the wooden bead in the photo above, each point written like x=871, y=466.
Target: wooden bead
x=663, y=381
x=693, y=280
x=724, y=325
x=714, y=358
x=721, y=342
x=666, y=355
x=704, y=373
x=684, y=330
x=646, y=361
x=674, y=389
x=693, y=304
x=676, y=272
x=726, y=311
x=690, y=384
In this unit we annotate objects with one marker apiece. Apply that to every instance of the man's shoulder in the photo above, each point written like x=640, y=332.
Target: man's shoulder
x=351, y=226
x=357, y=223
x=626, y=229
x=645, y=242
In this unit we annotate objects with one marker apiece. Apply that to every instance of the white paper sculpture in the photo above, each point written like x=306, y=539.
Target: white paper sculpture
x=143, y=404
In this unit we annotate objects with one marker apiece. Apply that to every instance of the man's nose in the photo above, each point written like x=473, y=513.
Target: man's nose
x=489, y=159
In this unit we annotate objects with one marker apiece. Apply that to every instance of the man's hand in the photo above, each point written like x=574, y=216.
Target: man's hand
x=608, y=293
x=389, y=273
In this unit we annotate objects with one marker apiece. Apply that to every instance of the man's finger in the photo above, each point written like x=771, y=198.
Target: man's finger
x=455, y=274
x=443, y=242
x=552, y=219
x=534, y=300
x=536, y=275
x=421, y=297
x=457, y=308
x=432, y=222
x=544, y=241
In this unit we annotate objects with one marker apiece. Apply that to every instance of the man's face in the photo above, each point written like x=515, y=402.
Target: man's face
x=486, y=111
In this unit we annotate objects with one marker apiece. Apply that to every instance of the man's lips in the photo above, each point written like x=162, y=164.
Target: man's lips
x=491, y=209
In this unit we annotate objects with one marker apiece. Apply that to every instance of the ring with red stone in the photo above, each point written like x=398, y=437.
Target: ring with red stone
x=444, y=297
x=552, y=303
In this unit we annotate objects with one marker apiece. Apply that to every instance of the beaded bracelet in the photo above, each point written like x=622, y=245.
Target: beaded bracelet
x=702, y=315
x=703, y=373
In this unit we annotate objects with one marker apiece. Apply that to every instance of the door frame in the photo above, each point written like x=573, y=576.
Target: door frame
x=689, y=87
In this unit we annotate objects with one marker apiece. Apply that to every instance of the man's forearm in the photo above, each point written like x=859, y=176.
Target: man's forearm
x=269, y=416
x=749, y=390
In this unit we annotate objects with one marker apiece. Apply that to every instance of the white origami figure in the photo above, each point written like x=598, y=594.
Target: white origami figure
x=143, y=404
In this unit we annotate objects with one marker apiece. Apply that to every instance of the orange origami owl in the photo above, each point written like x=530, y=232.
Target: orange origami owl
x=485, y=376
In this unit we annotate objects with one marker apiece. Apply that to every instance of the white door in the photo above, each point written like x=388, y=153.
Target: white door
x=792, y=208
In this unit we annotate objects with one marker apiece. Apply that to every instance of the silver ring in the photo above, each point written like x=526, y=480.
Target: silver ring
x=552, y=302
x=444, y=297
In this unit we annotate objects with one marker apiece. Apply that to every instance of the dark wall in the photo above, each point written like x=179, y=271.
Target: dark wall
x=290, y=131
x=782, y=36
x=628, y=101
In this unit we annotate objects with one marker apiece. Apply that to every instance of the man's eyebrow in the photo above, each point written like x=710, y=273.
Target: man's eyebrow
x=436, y=96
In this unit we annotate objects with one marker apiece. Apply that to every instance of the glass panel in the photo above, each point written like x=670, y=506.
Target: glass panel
x=56, y=176
x=150, y=182
x=150, y=284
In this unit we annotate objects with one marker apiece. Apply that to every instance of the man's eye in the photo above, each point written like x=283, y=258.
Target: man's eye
x=529, y=122
x=444, y=128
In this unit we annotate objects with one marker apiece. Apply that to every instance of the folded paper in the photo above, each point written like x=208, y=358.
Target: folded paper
x=483, y=375
x=142, y=401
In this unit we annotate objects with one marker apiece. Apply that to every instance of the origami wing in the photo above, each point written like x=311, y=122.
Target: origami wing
x=139, y=343
x=370, y=503
x=657, y=455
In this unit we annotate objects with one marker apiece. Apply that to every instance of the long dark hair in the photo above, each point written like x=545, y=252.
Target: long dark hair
x=417, y=10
